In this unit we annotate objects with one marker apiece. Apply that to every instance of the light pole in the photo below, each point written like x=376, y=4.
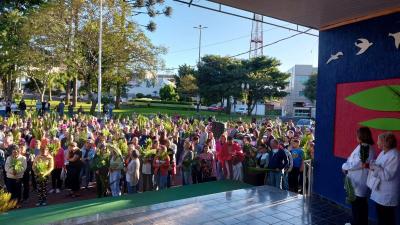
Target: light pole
x=246, y=89
x=200, y=27
x=100, y=54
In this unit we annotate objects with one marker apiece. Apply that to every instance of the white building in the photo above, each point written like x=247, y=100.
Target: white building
x=295, y=104
x=150, y=86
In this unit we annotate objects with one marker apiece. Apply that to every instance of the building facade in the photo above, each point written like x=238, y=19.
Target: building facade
x=295, y=104
x=150, y=86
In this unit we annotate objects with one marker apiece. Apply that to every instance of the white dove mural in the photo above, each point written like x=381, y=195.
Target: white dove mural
x=363, y=44
x=396, y=37
x=334, y=57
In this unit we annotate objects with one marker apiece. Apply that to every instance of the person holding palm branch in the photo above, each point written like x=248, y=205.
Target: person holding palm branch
x=42, y=166
x=356, y=171
x=15, y=167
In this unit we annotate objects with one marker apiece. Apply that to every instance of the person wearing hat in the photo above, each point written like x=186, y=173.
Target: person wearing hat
x=88, y=153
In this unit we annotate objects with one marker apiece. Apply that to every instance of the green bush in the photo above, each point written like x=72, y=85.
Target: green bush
x=148, y=100
x=139, y=95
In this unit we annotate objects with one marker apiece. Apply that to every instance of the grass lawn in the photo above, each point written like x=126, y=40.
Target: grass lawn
x=142, y=109
x=52, y=213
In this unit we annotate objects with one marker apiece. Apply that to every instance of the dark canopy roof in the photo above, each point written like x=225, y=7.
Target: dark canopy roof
x=317, y=14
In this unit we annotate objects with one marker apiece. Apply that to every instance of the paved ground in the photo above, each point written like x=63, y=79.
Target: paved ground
x=258, y=205
x=62, y=197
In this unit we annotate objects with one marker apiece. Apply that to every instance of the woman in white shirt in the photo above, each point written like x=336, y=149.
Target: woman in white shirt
x=357, y=172
x=132, y=172
x=384, y=179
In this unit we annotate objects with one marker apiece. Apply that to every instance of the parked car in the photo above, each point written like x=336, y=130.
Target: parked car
x=241, y=110
x=215, y=108
x=306, y=123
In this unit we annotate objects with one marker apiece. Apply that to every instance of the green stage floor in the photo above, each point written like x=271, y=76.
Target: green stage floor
x=52, y=213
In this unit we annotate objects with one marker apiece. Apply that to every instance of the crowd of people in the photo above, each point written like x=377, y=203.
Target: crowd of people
x=377, y=179
x=52, y=153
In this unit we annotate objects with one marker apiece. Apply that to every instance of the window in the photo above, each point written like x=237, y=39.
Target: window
x=301, y=93
x=301, y=79
x=299, y=104
x=301, y=112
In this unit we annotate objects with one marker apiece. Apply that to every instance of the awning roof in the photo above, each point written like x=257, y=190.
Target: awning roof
x=317, y=14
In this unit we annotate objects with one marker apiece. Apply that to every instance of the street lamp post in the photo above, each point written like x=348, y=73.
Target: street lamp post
x=246, y=89
x=100, y=55
x=200, y=27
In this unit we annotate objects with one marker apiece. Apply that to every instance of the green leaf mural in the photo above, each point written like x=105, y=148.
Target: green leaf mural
x=391, y=124
x=383, y=98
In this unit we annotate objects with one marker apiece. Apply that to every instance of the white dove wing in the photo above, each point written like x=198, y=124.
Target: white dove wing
x=396, y=37
x=364, y=44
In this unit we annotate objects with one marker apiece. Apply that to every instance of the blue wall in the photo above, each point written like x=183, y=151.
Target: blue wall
x=380, y=61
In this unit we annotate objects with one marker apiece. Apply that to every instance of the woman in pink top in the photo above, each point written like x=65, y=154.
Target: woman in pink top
x=58, y=165
x=219, y=163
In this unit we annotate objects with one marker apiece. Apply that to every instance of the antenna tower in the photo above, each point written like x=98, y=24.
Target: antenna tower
x=257, y=38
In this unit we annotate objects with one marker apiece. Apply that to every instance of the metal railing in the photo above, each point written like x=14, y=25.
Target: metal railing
x=307, y=178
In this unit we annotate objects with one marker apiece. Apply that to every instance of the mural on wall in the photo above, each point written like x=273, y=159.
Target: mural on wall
x=364, y=44
x=334, y=57
x=375, y=104
x=396, y=37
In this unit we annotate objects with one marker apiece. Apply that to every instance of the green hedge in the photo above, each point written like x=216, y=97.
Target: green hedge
x=146, y=100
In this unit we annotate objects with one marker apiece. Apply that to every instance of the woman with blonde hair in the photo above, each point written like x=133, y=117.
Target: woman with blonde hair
x=42, y=166
x=384, y=179
x=116, y=165
x=56, y=181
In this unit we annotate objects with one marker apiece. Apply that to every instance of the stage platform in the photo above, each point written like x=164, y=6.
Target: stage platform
x=253, y=206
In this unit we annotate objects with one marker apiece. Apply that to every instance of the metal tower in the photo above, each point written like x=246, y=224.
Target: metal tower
x=257, y=38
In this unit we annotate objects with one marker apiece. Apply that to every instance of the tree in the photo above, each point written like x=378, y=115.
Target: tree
x=67, y=32
x=219, y=78
x=188, y=86
x=310, y=90
x=186, y=82
x=264, y=79
x=168, y=93
x=13, y=15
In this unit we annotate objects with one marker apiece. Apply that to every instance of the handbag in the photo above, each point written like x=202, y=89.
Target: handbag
x=63, y=175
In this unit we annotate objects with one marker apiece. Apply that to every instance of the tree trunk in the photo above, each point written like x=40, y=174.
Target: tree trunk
x=228, y=106
x=250, y=108
x=75, y=98
x=67, y=92
x=118, y=96
x=94, y=103
x=50, y=94
x=250, y=104
x=9, y=85
x=42, y=93
x=4, y=81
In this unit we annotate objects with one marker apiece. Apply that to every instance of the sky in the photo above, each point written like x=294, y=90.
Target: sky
x=226, y=35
